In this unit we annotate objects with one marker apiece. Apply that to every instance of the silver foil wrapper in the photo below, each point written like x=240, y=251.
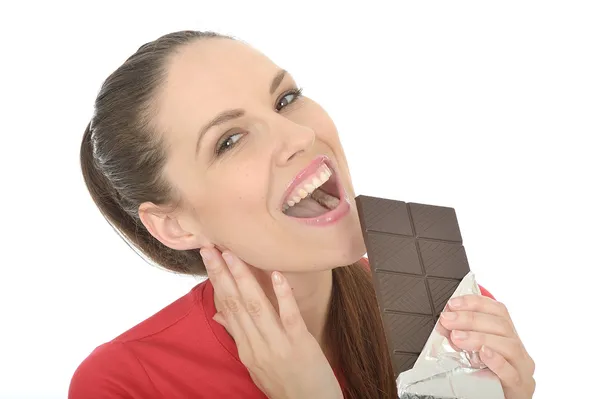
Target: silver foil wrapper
x=443, y=371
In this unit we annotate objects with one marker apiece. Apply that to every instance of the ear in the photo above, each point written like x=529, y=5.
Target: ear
x=166, y=228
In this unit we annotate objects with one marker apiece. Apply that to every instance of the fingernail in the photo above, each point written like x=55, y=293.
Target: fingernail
x=228, y=258
x=486, y=352
x=460, y=335
x=449, y=315
x=205, y=255
x=456, y=302
x=277, y=278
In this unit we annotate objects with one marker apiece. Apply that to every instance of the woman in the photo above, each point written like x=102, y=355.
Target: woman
x=206, y=156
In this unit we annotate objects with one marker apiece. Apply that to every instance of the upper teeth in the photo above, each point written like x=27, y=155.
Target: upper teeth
x=310, y=184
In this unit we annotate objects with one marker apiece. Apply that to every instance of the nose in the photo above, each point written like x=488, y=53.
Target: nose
x=294, y=139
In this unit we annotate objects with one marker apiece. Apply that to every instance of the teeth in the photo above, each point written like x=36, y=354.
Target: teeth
x=308, y=188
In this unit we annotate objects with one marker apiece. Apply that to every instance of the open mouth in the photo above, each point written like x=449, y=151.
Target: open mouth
x=315, y=192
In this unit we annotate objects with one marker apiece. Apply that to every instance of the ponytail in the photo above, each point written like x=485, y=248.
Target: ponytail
x=356, y=336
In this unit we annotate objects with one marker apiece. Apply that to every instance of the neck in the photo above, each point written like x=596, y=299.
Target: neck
x=312, y=291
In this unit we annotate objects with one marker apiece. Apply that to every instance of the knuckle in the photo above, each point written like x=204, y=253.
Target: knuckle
x=291, y=320
x=514, y=349
x=215, y=271
x=232, y=304
x=472, y=299
x=505, y=326
x=511, y=376
x=502, y=308
x=528, y=362
x=469, y=318
x=473, y=302
x=517, y=381
x=253, y=308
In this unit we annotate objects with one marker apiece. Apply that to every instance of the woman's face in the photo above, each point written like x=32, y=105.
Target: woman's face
x=268, y=149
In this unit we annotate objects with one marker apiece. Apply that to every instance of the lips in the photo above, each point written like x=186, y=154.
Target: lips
x=316, y=196
x=318, y=172
x=309, y=184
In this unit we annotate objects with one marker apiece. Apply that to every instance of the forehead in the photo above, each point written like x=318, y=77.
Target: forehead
x=210, y=75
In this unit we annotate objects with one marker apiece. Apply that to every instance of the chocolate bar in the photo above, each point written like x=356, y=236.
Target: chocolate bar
x=417, y=261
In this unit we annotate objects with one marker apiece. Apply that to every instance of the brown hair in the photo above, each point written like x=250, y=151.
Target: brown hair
x=122, y=158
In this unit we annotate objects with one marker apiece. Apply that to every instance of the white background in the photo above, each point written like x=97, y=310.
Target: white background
x=492, y=108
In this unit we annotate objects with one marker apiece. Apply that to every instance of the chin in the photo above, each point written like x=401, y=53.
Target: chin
x=346, y=247
x=356, y=246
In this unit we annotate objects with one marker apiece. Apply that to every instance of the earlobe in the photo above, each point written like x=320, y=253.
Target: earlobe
x=165, y=227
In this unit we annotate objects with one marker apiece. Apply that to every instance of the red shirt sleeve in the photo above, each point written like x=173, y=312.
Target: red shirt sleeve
x=485, y=292
x=111, y=371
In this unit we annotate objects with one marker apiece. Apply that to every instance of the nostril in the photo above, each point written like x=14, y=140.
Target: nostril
x=294, y=155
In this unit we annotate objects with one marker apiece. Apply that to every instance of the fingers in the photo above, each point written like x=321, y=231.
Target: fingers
x=239, y=322
x=475, y=321
x=255, y=301
x=513, y=382
x=509, y=348
x=482, y=324
x=291, y=319
x=248, y=312
x=479, y=303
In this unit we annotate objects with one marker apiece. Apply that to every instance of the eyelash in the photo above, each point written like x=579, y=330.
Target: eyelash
x=221, y=147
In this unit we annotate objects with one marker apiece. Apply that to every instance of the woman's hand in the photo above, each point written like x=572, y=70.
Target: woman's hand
x=478, y=323
x=284, y=360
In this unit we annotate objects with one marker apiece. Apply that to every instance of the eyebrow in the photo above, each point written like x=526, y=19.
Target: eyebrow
x=231, y=114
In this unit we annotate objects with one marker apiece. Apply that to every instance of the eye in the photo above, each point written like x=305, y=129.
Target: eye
x=228, y=143
x=288, y=98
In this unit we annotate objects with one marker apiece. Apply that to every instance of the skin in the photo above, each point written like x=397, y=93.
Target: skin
x=230, y=204
x=478, y=323
x=232, y=201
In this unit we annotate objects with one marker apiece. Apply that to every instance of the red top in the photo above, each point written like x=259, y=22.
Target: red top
x=180, y=352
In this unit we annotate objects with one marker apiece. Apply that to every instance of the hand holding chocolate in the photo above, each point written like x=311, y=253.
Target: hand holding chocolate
x=418, y=263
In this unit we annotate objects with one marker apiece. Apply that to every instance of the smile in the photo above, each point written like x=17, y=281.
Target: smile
x=316, y=195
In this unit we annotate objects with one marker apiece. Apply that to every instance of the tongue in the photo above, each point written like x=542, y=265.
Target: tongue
x=307, y=208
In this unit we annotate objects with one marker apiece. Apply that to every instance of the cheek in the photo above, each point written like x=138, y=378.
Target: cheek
x=236, y=196
x=237, y=216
